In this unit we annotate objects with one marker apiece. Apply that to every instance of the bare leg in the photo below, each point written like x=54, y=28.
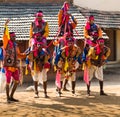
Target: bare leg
x=7, y=93
x=101, y=88
x=13, y=91
x=88, y=89
x=45, y=89
x=73, y=87
x=36, y=89
x=59, y=89
x=64, y=86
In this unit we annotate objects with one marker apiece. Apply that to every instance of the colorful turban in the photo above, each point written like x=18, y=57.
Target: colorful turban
x=39, y=14
x=91, y=17
x=66, y=6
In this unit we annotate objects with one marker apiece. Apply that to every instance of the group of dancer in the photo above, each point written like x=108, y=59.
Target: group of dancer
x=68, y=55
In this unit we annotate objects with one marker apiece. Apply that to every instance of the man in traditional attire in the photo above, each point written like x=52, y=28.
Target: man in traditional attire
x=40, y=55
x=12, y=53
x=66, y=23
x=68, y=63
x=92, y=31
x=39, y=26
x=95, y=60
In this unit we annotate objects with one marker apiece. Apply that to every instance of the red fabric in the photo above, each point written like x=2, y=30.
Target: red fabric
x=47, y=65
x=11, y=43
x=36, y=35
x=89, y=42
x=10, y=74
x=101, y=40
x=98, y=50
x=87, y=26
x=66, y=6
x=12, y=35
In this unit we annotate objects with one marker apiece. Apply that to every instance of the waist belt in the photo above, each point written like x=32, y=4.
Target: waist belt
x=95, y=62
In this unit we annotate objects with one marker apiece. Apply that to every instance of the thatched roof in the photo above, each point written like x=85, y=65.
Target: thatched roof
x=21, y=16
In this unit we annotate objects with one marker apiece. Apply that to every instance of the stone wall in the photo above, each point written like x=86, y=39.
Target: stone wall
x=36, y=1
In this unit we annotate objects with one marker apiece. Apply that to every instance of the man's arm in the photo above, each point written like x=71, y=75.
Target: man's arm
x=46, y=34
x=86, y=35
x=31, y=31
x=74, y=22
x=60, y=15
x=20, y=55
x=99, y=32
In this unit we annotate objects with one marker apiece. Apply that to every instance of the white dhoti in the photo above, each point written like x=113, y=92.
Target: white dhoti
x=96, y=71
x=40, y=76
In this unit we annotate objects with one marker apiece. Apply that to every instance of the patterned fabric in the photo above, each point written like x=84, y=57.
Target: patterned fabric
x=39, y=28
x=43, y=29
x=100, y=58
x=10, y=59
x=92, y=31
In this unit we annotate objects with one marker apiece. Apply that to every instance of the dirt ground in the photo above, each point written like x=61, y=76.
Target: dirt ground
x=67, y=105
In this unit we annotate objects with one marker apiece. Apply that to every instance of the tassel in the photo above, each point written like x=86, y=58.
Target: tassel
x=34, y=66
x=55, y=68
x=21, y=72
x=66, y=65
x=83, y=66
x=26, y=70
x=96, y=57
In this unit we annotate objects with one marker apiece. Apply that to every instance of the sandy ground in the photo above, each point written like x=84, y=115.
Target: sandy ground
x=67, y=105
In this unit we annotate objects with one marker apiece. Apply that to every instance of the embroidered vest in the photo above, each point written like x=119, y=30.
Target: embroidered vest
x=93, y=31
x=98, y=61
x=10, y=59
x=40, y=29
x=39, y=56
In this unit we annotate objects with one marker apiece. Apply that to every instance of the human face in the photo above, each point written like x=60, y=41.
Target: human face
x=70, y=43
x=101, y=43
x=91, y=21
x=12, y=37
x=38, y=37
x=39, y=18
